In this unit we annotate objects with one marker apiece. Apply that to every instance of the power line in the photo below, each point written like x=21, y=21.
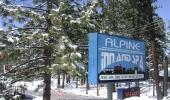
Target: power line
x=151, y=26
x=147, y=25
x=146, y=30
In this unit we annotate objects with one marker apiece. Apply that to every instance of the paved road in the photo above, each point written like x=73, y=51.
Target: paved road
x=68, y=96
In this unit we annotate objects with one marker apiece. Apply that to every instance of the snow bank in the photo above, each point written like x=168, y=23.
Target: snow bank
x=29, y=85
x=2, y=99
x=38, y=98
x=146, y=90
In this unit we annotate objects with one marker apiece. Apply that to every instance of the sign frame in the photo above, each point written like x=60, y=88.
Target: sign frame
x=98, y=52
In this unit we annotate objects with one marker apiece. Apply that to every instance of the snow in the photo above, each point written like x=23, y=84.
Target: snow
x=30, y=85
x=10, y=39
x=2, y=45
x=1, y=2
x=12, y=9
x=80, y=65
x=72, y=46
x=78, y=54
x=161, y=73
x=38, y=98
x=16, y=97
x=146, y=90
x=56, y=10
x=0, y=27
x=62, y=47
x=37, y=14
x=91, y=92
x=76, y=21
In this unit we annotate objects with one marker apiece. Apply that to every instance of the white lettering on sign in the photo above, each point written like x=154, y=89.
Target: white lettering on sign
x=107, y=59
x=122, y=44
x=110, y=58
x=121, y=76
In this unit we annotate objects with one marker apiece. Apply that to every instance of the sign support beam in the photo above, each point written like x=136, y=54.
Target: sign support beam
x=109, y=91
x=97, y=89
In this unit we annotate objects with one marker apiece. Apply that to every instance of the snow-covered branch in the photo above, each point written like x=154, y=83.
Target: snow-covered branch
x=25, y=7
x=27, y=28
x=19, y=65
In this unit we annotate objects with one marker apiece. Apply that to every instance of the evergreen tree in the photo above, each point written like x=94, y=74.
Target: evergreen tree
x=36, y=30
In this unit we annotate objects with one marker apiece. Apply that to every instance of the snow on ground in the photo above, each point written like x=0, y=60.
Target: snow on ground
x=29, y=85
x=38, y=98
x=146, y=90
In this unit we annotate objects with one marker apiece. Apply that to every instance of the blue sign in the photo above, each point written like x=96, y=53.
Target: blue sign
x=115, y=59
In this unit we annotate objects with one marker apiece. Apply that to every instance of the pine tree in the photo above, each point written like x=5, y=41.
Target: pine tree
x=36, y=30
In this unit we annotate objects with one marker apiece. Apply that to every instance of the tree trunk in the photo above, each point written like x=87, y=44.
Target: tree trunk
x=156, y=71
x=76, y=82
x=165, y=76
x=82, y=81
x=48, y=49
x=137, y=84
x=58, y=81
x=63, y=81
x=47, y=88
x=68, y=79
x=47, y=72
x=114, y=89
x=152, y=36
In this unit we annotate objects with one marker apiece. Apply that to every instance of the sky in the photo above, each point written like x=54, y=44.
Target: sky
x=164, y=11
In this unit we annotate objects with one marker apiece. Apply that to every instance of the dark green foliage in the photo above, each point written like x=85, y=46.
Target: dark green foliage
x=2, y=87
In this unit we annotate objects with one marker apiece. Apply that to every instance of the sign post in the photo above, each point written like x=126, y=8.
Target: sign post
x=109, y=91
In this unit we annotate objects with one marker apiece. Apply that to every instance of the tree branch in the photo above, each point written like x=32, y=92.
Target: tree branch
x=17, y=66
x=27, y=28
x=26, y=7
x=20, y=79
